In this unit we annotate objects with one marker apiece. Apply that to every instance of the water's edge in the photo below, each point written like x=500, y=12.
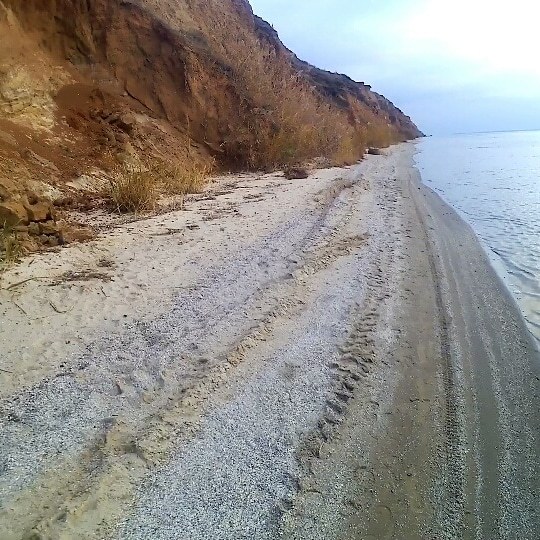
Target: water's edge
x=497, y=260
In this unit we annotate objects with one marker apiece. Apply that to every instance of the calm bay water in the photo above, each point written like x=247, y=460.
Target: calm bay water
x=493, y=181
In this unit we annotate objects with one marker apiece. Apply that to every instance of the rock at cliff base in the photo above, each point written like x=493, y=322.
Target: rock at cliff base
x=293, y=173
x=27, y=243
x=49, y=228
x=7, y=189
x=76, y=234
x=13, y=213
x=33, y=229
x=41, y=211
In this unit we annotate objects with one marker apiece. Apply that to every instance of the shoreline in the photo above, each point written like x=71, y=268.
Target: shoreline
x=317, y=359
x=496, y=359
x=493, y=257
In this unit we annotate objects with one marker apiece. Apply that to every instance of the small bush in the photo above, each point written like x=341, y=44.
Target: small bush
x=381, y=136
x=10, y=247
x=133, y=189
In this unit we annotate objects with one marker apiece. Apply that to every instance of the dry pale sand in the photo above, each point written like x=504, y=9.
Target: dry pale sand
x=325, y=358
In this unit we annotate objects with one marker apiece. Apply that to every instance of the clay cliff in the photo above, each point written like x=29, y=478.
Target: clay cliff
x=85, y=84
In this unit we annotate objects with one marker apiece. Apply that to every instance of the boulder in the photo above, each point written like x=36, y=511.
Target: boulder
x=13, y=213
x=7, y=189
x=375, y=151
x=27, y=243
x=33, y=229
x=49, y=228
x=41, y=211
x=125, y=122
x=53, y=241
x=295, y=172
x=73, y=234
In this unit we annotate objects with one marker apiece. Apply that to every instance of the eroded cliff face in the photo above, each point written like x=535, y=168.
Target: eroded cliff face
x=84, y=83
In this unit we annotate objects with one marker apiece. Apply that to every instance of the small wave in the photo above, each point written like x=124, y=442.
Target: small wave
x=515, y=268
x=532, y=323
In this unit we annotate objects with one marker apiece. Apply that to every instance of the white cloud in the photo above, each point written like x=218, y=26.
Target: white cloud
x=499, y=36
x=480, y=52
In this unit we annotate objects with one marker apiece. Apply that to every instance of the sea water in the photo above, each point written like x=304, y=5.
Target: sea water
x=493, y=181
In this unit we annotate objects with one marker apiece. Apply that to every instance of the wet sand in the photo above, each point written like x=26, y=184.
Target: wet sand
x=329, y=358
x=492, y=387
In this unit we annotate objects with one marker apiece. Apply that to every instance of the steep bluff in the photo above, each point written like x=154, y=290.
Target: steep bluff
x=84, y=83
x=343, y=91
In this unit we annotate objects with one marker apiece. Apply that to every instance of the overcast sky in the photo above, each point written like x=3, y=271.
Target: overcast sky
x=453, y=66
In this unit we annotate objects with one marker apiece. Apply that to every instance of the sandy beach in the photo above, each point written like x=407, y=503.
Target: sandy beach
x=327, y=358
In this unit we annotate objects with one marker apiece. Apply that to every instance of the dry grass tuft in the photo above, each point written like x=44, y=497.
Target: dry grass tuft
x=136, y=188
x=10, y=247
x=133, y=189
x=183, y=179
